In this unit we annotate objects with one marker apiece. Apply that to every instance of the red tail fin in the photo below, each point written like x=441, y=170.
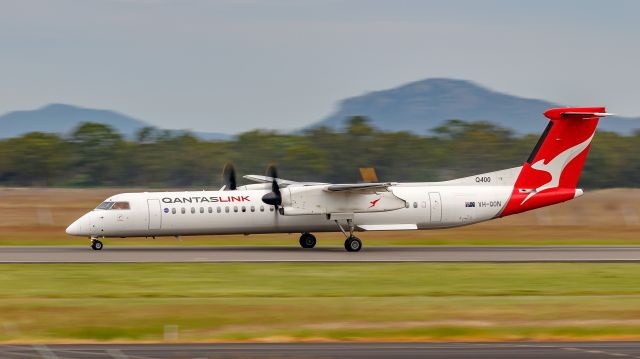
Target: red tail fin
x=551, y=173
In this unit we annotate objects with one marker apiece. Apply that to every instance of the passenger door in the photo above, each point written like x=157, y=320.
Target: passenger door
x=155, y=214
x=436, y=207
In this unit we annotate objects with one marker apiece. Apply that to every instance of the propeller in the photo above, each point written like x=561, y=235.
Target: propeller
x=229, y=177
x=273, y=198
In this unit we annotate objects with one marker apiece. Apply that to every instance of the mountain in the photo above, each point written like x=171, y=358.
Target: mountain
x=422, y=105
x=416, y=107
x=62, y=119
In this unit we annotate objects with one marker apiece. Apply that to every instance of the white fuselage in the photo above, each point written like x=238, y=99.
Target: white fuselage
x=428, y=205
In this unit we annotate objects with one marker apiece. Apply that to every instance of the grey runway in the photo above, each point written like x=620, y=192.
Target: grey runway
x=525, y=350
x=131, y=254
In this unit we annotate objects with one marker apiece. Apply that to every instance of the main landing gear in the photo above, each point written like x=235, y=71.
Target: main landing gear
x=352, y=243
x=307, y=240
x=96, y=245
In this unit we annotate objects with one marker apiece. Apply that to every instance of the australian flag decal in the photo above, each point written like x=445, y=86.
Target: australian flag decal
x=470, y=204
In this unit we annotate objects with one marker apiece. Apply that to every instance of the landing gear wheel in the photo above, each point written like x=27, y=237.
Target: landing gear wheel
x=96, y=245
x=307, y=240
x=353, y=244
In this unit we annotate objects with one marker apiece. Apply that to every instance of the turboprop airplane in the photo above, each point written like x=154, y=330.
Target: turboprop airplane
x=275, y=205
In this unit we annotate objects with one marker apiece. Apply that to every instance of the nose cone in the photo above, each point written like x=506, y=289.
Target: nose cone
x=80, y=227
x=74, y=228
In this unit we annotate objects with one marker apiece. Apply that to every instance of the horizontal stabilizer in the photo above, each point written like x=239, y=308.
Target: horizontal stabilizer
x=576, y=113
x=587, y=114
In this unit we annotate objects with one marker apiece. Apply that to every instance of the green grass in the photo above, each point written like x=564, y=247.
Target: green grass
x=310, y=301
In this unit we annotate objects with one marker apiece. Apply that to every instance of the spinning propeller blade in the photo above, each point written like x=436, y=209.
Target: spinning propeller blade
x=273, y=198
x=229, y=177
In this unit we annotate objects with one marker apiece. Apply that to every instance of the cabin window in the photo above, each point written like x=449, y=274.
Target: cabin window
x=271, y=209
x=182, y=210
x=407, y=205
x=261, y=208
x=226, y=209
x=253, y=208
x=244, y=209
x=201, y=209
x=173, y=210
x=193, y=210
x=235, y=208
x=104, y=205
x=121, y=205
x=424, y=204
x=219, y=210
x=415, y=204
x=210, y=209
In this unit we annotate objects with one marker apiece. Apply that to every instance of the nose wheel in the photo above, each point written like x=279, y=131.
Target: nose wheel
x=96, y=245
x=307, y=240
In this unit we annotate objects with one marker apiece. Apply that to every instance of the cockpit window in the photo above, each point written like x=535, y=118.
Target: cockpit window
x=121, y=205
x=104, y=205
x=114, y=205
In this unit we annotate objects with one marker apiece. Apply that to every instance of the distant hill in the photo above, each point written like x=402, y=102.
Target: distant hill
x=62, y=119
x=416, y=107
x=423, y=105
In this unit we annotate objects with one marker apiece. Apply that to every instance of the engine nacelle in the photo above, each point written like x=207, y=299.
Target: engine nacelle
x=304, y=200
x=255, y=186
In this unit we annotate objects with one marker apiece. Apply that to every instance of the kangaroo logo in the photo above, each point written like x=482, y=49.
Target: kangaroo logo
x=374, y=202
x=556, y=166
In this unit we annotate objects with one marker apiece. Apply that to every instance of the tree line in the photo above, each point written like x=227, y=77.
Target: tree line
x=96, y=155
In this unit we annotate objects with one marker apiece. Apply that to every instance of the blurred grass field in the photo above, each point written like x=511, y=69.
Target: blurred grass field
x=316, y=302
x=38, y=216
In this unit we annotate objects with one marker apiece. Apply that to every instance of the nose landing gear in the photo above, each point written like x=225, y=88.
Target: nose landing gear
x=96, y=245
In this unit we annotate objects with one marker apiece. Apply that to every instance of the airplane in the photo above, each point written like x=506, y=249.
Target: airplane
x=275, y=205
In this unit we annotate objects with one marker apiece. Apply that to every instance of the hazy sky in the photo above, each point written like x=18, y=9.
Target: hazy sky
x=228, y=66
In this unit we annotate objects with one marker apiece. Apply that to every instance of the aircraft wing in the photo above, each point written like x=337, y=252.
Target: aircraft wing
x=281, y=182
x=339, y=199
x=358, y=187
x=340, y=187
